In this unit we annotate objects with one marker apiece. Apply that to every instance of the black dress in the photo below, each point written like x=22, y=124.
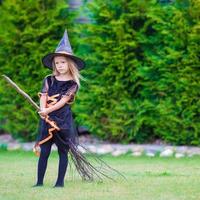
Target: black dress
x=89, y=169
x=55, y=90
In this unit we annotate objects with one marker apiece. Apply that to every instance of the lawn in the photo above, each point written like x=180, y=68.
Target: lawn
x=147, y=179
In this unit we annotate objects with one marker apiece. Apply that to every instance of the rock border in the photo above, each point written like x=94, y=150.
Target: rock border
x=149, y=150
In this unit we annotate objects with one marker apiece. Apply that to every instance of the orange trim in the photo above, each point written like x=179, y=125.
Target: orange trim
x=42, y=94
x=49, y=98
x=53, y=124
x=50, y=131
x=52, y=99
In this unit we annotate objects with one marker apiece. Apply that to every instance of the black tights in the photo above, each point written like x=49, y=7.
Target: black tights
x=44, y=155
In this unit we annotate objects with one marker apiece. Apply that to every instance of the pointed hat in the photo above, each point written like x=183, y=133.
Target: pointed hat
x=63, y=49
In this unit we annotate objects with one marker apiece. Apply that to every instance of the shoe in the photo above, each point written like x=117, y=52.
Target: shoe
x=58, y=185
x=38, y=185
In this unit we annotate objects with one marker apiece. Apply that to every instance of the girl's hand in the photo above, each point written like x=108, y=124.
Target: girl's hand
x=43, y=112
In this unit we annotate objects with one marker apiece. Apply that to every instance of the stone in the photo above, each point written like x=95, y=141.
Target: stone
x=150, y=154
x=92, y=148
x=179, y=155
x=153, y=148
x=89, y=139
x=191, y=151
x=137, y=153
x=137, y=149
x=181, y=149
x=166, y=153
x=104, y=149
x=54, y=147
x=28, y=146
x=14, y=146
x=81, y=149
x=119, y=152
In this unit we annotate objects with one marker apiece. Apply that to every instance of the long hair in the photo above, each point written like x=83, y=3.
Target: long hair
x=73, y=70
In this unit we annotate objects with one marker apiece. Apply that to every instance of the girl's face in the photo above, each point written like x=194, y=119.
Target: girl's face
x=61, y=64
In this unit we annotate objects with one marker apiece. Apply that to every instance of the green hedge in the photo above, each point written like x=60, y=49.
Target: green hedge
x=144, y=71
x=142, y=67
x=31, y=29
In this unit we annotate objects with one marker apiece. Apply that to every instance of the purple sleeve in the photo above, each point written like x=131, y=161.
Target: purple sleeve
x=71, y=92
x=45, y=87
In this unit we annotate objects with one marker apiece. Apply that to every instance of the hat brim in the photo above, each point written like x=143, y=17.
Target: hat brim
x=48, y=59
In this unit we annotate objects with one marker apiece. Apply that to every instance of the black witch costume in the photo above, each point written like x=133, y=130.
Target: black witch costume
x=63, y=132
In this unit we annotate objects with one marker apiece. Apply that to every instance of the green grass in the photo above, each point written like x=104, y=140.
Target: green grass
x=148, y=179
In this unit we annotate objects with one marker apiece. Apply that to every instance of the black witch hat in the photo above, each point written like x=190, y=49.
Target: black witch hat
x=63, y=49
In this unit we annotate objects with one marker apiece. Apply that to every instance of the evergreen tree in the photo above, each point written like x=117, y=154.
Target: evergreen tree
x=31, y=29
x=142, y=66
x=143, y=70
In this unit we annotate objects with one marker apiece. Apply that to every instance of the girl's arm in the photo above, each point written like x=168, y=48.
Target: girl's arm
x=45, y=111
x=43, y=97
x=43, y=101
x=59, y=104
x=66, y=98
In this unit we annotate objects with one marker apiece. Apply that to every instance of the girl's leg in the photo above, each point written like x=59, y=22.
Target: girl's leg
x=42, y=163
x=63, y=162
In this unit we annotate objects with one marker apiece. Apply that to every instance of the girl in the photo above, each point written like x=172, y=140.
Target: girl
x=58, y=91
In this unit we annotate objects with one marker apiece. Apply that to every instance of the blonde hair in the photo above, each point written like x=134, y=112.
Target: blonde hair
x=73, y=70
